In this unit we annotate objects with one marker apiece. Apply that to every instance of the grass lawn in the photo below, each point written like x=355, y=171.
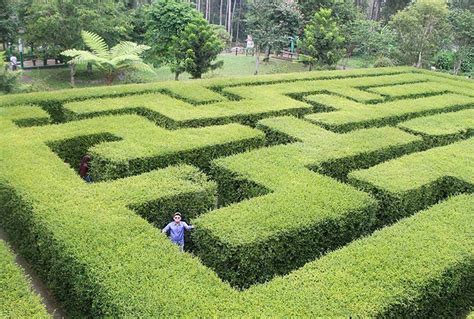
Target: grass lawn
x=240, y=65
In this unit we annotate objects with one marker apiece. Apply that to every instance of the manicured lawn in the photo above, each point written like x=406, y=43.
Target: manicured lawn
x=58, y=78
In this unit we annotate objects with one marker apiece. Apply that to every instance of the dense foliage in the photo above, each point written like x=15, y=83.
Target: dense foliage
x=322, y=42
x=122, y=57
x=54, y=26
x=194, y=49
x=421, y=30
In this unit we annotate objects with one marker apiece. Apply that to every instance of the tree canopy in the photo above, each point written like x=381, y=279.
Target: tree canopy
x=322, y=42
x=195, y=48
x=421, y=29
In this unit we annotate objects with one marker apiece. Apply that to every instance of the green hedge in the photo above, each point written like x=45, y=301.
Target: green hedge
x=443, y=128
x=199, y=146
x=379, y=144
x=349, y=115
x=301, y=214
x=72, y=150
x=17, y=300
x=137, y=145
x=157, y=195
x=100, y=258
x=172, y=113
x=413, y=182
x=85, y=243
x=195, y=91
x=24, y=115
x=419, y=268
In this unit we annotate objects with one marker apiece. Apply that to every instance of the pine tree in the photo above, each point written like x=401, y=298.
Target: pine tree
x=322, y=42
x=195, y=48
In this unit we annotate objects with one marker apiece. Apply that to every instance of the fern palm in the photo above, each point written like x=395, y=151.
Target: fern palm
x=124, y=56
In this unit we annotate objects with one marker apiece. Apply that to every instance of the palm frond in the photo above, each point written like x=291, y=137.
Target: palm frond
x=132, y=62
x=83, y=57
x=124, y=59
x=96, y=43
x=128, y=48
x=140, y=66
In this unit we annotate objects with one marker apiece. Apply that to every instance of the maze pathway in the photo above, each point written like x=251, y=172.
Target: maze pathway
x=16, y=296
x=319, y=194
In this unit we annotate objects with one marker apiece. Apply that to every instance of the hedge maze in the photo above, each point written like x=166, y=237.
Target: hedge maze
x=339, y=193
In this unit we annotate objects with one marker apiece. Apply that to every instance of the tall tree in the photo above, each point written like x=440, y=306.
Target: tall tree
x=195, y=48
x=462, y=22
x=9, y=22
x=391, y=7
x=344, y=11
x=56, y=25
x=165, y=20
x=271, y=22
x=369, y=38
x=420, y=29
x=322, y=43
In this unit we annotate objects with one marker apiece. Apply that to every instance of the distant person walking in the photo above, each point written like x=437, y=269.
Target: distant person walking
x=84, y=169
x=176, y=229
x=13, y=62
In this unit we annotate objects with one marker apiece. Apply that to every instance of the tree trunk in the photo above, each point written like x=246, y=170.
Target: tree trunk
x=257, y=61
x=239, y=21
x=457, y=67
x=110, y=78
x=176, y=76
x=418, y=64
x=266, y=59
x=72, y=70
x=231, y=19
x=375, y=9
x=208, y=15
x=310, y=67
x=89, y=68
x=220, y=12
x=229, y=15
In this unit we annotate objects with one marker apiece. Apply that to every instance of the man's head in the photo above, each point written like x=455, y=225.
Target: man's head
x=177, y=217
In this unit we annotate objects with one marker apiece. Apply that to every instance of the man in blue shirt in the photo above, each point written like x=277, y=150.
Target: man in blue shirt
x=176, y=229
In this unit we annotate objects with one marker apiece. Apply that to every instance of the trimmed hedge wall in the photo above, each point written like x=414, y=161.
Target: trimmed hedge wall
x=192, y=90
x=101, y=259
x=413, y=182
x=350, y=115
x=443, y=126
x=302, y=215
x=421, y=267
x=17, y=300
x=340, y=162
x=86, y=244
x=136, y=145
x=156, y=195
x=194, y=146
x=434, y=86
x=24, y=115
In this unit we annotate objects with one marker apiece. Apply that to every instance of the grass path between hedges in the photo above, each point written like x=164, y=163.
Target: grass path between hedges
x=38, y=287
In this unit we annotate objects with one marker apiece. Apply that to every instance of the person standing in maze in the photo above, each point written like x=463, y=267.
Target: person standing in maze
x=84, y=169
x=176, y=229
